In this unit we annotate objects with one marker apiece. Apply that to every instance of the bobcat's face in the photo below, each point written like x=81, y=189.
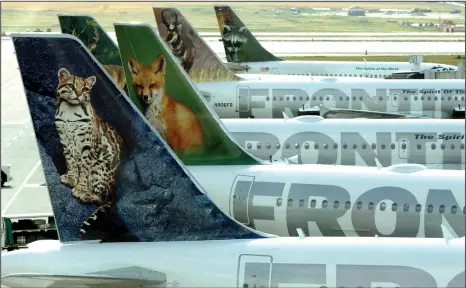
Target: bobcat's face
x=74, y=89
x=148, y=80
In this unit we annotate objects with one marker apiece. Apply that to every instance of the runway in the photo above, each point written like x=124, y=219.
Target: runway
x=19, y=147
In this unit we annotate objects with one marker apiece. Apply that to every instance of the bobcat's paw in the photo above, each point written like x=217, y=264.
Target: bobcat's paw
x=68, y=180
x=79, y=191
x=91, y=198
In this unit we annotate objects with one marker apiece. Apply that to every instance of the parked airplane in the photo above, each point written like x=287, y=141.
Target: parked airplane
x=257, y=193
x=268, y=98
x=242, y=47
x=435, y=143
x=145, y=195
x=268, y=140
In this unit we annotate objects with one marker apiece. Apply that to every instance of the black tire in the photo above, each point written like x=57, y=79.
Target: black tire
x=3, y=178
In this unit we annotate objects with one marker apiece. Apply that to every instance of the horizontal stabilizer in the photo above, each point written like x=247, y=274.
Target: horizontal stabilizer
x=51, y=280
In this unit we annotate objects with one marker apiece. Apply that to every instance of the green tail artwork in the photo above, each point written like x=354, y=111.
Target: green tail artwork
x=162, y=90
x=88, y=30
x=239, y=43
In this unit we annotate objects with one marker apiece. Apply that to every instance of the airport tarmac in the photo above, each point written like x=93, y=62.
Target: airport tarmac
x=18, y=147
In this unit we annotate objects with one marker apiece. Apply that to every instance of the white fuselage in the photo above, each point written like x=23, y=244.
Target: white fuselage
x=435, y=143
x=369, y=69
x=398, y=201
x=312, y=262
x=270, y=98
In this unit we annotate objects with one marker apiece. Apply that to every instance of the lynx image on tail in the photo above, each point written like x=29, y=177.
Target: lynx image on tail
x=174, y=121
x=91, y=147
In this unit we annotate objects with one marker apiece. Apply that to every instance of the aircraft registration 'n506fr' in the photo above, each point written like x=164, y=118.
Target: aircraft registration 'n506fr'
x=435, y=143
x=112, y=179
x=268, y=98
x=172, y=96
x=242, y=47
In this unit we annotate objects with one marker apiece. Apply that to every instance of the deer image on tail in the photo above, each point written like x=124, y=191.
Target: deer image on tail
x=182, y=45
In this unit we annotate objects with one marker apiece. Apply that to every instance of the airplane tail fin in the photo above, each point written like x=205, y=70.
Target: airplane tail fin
x=110, y=175
x=99, y=43
x=239, y=43
x=161, y=88
x=195, y=56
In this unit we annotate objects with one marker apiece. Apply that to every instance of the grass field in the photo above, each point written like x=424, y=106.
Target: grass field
x=257, y=16
x=442, y=59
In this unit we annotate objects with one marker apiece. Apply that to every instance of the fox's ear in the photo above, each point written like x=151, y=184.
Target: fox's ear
x=133, y=66
x=158, y=65
x=63, y=73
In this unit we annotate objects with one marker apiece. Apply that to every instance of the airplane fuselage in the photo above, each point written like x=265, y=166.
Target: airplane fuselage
x=269, y=98
x=435, y=143
x=397, y=201
x=361, y=69
x=319, y=262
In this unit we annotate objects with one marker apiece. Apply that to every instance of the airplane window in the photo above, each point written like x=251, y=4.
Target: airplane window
x=287, y=98
x=452, y=146
x=433, y=146
x=326, y=74
x=442, y=146
x=381, y=98
x=274, y=98
x=306, y=146
x=371, y=76
x=371, y=206
x=443, y=98
x=382, y=146
x=392, y=146
x=341, y=98
x=290, y=202
x=268, y=146
x=347, y=205
x=325, y=146
x=403, y=146
x=406, y=208
x=449, y=98
x=422, y=97
x=364, y=146
x=267, y=98
x=345, y=75
x=321, y=98
x=435, y=98
x=429, y=98
x=360, y=75
x=419, y=146
x=335, y=146
x=279, y=202
x=347, y=98
x=324, y=204
x=327, y=98
x=360, y=98
x=296, y=145
x=340, y=75
x=462, y=98
x=359, y=205
x=294, y=98
x=313, y=97
x=373, y=98
x=277, y=146
x=287, y=146
x=249, y=146
x=313, y=203
x=345, y=146
x=453, y=209
x=336, y=204
x=307, y=98
x=355, y=146
x=464, y=210
x=316, y=146
x=301, y=203
x=354, y=98
x=456, y=98
x=395, y=98
x=383, y=206
x=441, y=209
x=430, y=208
x=281, y=98
x=301, y=98
x=406, y=98
x=418, y=208
x=374, y=146
x=394, y=206
x=415, y=98
x=462, y=146
x=259, y=145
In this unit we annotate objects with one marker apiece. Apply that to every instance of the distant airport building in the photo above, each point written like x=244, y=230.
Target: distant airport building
x=356, y=11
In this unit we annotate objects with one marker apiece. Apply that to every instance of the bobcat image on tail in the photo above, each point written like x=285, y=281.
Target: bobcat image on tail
x=174, y=121
x=91, y=147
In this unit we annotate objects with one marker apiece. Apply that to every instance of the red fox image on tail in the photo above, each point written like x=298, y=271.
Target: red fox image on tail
x=174, y=121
